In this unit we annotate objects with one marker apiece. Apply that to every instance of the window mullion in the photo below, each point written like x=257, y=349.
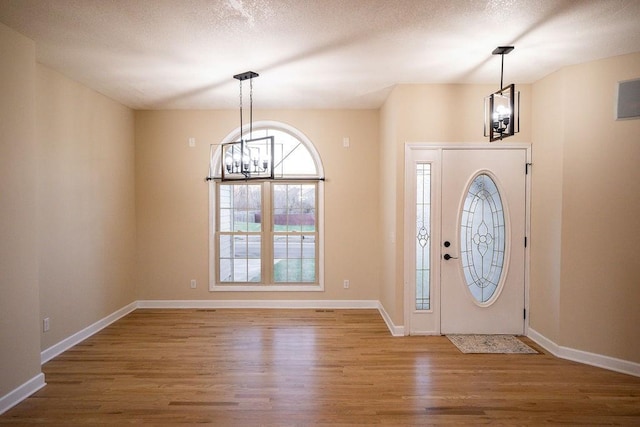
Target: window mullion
x=267, y=234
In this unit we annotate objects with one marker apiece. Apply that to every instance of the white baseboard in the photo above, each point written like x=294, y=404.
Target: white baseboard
x=396, y=331
x=285, y=304
x=20, y=393
x=85, y=333
x=543, y=341
x=593, y=359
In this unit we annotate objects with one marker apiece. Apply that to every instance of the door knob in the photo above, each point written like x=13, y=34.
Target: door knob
x=447, y=257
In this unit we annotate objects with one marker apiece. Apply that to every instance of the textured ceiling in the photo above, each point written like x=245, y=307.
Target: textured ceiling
x=159, y=54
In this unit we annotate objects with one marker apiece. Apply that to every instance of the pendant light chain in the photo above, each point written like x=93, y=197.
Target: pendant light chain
x=251, y=108
x=502, y=73
x=240, y=109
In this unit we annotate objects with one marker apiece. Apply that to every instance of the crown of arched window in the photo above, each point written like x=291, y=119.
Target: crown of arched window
x=289, y=153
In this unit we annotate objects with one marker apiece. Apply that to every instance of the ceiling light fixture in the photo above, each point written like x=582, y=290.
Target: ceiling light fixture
x=501, y=108
x=248, y=158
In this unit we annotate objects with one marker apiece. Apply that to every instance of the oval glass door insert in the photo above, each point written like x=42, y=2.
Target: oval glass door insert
x=482, y=238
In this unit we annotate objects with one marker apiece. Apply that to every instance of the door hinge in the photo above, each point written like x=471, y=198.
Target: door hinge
x=525, y=241
x=524, y=313
x=526, y=168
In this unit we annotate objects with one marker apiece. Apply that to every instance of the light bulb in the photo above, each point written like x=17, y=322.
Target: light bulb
x=502, y=111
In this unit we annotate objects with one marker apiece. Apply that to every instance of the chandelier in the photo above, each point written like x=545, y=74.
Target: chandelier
x=250, y=158
x=501, y=108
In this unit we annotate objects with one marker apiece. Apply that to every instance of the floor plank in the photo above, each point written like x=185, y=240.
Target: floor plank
x=308, y=367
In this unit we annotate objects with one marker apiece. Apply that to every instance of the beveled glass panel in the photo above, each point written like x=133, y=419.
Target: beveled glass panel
x=423, y=236
x=482, y=238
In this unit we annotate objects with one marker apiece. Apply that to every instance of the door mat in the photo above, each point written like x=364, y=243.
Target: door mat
x=490, y=344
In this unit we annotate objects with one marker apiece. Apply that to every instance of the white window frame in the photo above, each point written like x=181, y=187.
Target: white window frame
x=213, y=212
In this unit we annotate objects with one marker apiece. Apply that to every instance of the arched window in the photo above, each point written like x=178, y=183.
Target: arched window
x=267, y=234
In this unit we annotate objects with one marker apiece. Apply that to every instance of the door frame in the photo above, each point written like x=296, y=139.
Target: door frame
x=436, y=149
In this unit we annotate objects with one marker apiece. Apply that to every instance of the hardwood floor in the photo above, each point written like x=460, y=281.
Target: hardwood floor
x=307, y=367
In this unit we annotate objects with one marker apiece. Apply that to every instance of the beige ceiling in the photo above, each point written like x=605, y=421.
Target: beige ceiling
x=159, y=54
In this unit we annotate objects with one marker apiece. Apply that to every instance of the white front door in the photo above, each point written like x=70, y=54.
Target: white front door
x=465, y=218
x=482, y=271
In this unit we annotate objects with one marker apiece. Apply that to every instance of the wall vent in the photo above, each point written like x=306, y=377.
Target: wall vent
x=628, y=102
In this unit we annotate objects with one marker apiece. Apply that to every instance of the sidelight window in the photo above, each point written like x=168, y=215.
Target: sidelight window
x=423, y=236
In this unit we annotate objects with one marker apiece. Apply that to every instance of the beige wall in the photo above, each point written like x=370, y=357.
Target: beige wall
x=19, y=324
x=598, y=291
x=390, y=298
x=86, y=205
x=425, y=113
x=172, y=201
x=546, y=205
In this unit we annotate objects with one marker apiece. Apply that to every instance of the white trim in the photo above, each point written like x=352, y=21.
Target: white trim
x=527, y=233
x=212, y=233
x=284, y=304
x=21, y=392
x=544, y=342
x=467, y=146
x=85, y=333
x=396, y=331
x=593, y=359
x=265, y=288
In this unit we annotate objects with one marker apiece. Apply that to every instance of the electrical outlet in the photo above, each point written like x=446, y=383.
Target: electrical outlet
x=192, y=142
x=46, y=324
x=193, y=283
x=345, y=284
